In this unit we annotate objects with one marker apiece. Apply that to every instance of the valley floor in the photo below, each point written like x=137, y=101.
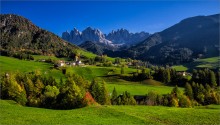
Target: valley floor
x=11, y=113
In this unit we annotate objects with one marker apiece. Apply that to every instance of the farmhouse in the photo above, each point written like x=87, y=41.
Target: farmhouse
x=60, y=63
x=184, y=73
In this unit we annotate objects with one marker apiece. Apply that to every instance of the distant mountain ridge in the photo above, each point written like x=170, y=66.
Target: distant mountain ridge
x=115, y=38
x=123, y=36
x=89, y=34
x=94, y=47
x=190, y=38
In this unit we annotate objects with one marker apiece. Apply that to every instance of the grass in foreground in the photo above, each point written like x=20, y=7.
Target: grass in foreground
x=11, y=113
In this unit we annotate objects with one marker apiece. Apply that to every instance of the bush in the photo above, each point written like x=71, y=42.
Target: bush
x=184, y=101
x=159, y=100
x=194, y=103
x=107, y=64
x=126, y=99
x=152, y=98
x=174, y=102
x=11, y=89
x=70, y=96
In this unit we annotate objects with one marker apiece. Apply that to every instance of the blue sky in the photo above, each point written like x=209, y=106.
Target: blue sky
x=149, y=16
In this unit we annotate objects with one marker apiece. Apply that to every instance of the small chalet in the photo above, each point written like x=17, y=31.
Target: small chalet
x=60, y=63
x=78, y=62
x=184, y=73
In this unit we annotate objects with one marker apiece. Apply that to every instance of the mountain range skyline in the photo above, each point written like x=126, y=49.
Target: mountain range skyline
x=135, y=16
x=114, y=38
x=113, y=30
x=178, y=43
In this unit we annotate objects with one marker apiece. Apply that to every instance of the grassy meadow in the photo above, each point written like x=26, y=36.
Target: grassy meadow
x=91, y=72
x=40, y=57
x=207, y=62
x=12, y=113
x=211, y=63
x=139, y=89
x=135, y=88
x=180, y=68
x=8, y=64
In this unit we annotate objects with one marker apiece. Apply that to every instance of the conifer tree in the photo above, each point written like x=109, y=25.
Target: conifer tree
x=105, y=99
x=122, y=70
x=212, y=79
x=168, y=77
x=114, y=97
x=176, y=92
x=95, y=90
x=188, y=91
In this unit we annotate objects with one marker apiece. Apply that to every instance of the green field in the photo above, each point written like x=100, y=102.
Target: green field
x=40, y=57
x=139, y=89
x=11, y=113
x=135, y=88
x=92, y=55
x=8, y=64
x=91, y=72
x=211, y=63
x=180, y=68
x=208, y=62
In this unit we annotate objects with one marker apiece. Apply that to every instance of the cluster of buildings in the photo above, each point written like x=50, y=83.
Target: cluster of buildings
x=62, y=63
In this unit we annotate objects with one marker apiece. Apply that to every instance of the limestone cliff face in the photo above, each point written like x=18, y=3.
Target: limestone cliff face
x=115, y=38
x=89, y=34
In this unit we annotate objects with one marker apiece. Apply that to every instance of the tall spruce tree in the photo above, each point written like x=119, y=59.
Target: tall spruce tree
x=105, y=99
x=168, y=77
x=176, y=92
x=122, y=70
x=114, y=97
x=212, y=79
x=95, y=90
x=188, y=91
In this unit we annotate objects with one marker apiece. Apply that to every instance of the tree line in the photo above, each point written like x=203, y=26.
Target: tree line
x=170, y=76
x=36, y=90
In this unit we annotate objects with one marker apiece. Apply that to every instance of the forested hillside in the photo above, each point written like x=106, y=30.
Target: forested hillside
x=21, y=36
x=193, y=37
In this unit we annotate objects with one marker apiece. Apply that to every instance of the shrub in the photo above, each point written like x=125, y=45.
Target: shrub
x=184, y=101
x=89, y=100
x=174, y=102
x=152, y=98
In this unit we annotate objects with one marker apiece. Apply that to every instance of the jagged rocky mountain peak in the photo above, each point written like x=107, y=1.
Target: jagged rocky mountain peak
x=115, y=38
